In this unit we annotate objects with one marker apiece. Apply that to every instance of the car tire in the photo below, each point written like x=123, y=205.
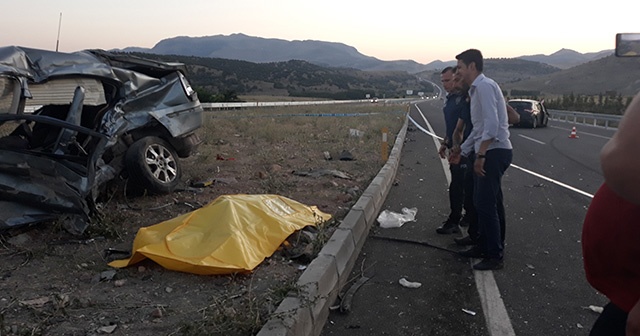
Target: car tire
x=153, y=165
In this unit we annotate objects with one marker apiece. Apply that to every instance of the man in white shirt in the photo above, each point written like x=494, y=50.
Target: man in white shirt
x=489, y=139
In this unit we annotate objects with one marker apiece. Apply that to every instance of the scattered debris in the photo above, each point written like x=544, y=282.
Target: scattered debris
x=19, y=240
x=36, y=303
x=356, y=133
x=119, y=282
x=327, y=156
x=274, y=168
x=595, y=309
x=408, y=284
x=344, y=198
x=107, y=275
x=226, y=180
x=345, y=155
x=530, y=266
x=220, y=157
x=203, y=183
x=345, y=303
x=322, y=172
x=77, y=241
x=470, y=312
x=157, y=313
x=110, y=251
x=389, y=219
x=107, y=329
x=415, y=242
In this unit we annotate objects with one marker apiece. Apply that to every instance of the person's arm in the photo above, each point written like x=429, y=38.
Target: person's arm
x=478, y=165
x=442, y=151
x=488, y=100
x=490, y=108
x=458, y=135
x=620, y=156
x=512, y=116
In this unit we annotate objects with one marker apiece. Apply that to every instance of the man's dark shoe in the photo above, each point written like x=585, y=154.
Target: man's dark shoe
x=488, y=264
x=473, y=252
x=465, y=241
x=448, y=228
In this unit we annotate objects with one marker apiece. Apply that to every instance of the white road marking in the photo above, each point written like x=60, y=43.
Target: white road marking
x=495, y=313
x=553, y=181
x=532, y=139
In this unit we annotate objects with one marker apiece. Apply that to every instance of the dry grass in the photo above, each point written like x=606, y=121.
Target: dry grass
x=256, y=149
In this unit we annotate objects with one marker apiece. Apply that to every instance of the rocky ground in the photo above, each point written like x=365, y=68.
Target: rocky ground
x=53, y=283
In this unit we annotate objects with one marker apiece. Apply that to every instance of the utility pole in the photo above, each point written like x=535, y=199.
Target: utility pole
x=59, y=24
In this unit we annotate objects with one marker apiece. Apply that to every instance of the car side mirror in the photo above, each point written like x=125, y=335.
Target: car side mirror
x=628, y=45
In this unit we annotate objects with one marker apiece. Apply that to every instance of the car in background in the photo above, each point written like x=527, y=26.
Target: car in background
x=532, y=113
x=71, y=122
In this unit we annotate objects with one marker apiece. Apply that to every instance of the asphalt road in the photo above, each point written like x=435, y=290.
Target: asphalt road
x=542, y=289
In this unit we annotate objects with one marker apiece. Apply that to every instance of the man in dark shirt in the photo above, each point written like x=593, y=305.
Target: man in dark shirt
x=460, y=134
x=452, y=109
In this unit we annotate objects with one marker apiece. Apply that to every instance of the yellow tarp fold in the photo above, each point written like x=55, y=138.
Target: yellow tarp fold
x=233, y=233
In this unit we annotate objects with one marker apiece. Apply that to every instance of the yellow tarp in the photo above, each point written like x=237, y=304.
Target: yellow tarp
x=231, y=234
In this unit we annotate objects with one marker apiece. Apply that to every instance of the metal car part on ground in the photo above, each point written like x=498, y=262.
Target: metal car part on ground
x=71, y=122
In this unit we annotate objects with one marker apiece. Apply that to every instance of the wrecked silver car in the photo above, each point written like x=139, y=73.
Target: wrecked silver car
x=71, y=122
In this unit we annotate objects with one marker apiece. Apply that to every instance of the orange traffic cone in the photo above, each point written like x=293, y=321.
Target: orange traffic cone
x=573, y=134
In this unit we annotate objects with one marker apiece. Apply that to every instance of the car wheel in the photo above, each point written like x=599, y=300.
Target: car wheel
x=153, y=164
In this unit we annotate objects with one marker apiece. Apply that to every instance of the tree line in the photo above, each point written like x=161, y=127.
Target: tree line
x=609, y=102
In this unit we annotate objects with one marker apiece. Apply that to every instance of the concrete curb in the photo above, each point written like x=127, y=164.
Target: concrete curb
x=306, y=312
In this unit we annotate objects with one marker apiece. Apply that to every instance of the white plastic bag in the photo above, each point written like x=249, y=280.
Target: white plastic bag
x=389, y=219
x=409, y=284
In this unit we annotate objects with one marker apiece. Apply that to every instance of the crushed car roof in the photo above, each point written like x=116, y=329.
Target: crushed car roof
x=39, y=65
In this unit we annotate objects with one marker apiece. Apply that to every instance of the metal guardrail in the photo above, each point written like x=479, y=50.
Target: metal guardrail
x=225, y=106
x=595, y=119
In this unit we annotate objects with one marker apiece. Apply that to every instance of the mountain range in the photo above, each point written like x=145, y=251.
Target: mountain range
x=327, y=54
x=253, y=65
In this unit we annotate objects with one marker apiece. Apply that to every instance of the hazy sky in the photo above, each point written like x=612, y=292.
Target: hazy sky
x=391, y=30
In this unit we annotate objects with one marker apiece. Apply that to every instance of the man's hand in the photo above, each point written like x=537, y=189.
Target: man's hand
x=633, y=320
x=442, y=151
x=454, y=158
x=478, y=166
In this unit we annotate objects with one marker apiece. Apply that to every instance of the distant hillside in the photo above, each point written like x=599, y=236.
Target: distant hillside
x=328, y=54
x=505, y=70
x=611, y=73
x=567, y=58
x=292, y=78
x=266, y=50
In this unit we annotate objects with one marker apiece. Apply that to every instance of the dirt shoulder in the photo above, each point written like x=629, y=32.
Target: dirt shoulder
x=52, y=283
